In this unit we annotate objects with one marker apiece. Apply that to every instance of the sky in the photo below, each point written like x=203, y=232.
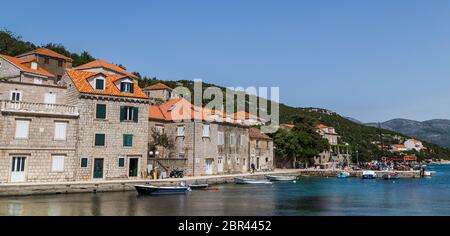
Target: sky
x=370, y=60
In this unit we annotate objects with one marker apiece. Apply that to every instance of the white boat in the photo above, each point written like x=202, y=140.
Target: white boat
x=427, y=174
x=343, y=175
x=280, y=178
x=250, y=181
x=369, y=174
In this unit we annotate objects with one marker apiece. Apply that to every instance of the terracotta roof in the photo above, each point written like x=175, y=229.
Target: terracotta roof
x=321, y=126
x=255, y=133
x=104, y=64
x=46, y=52
x=24, y=65
x=244, y=115
x=287, y=126
x=398, y=145
x=158, y=86
x=179, y=109
x=80, y=79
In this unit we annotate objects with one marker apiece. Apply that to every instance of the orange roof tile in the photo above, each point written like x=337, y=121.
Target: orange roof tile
x=155, y=113
x=46, y=52
x=104, y=64
x=158, y=86
x=244, y=115
x=22, y=65
x=321, y=126
x=255, y=133
x=399, y=145
x=80, y=79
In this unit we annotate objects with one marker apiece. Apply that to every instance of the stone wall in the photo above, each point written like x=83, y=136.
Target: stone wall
x=32, y=92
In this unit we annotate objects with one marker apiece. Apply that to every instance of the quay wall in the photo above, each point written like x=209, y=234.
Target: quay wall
x=128, y=185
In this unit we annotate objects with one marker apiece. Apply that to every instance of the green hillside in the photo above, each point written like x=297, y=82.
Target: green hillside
x=359, y=137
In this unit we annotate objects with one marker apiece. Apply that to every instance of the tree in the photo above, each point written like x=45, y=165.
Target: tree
x=160, y=140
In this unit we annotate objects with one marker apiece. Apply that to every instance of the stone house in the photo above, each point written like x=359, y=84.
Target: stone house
x=414, y=144
x=203, y=145
x=25, y=71
x=338, y=152
x=48, y=60
x=261, y=150
x=113, y=126
x=160, y=92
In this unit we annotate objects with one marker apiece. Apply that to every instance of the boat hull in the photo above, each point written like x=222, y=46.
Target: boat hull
x=369, y=177
x=343, y=175
x=390, y=177
x=198, y=186
x=280, y=178
x=250, y=181
x=153, y=190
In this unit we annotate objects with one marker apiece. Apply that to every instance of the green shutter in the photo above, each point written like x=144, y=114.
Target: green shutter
x=99, y=84
x=101, y=111
x=135, y=114
x=123, y=114
x=121, y=162
x=122, y=87
x=127, y=140
x=99, y=139
x=131, y=88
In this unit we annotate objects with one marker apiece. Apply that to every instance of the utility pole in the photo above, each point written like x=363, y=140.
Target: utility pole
x=381, y=139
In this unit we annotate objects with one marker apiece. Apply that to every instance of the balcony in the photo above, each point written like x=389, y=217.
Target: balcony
x=34, y=108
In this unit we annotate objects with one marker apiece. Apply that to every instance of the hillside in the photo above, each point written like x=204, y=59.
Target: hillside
x=433, y=131
x=359, y=137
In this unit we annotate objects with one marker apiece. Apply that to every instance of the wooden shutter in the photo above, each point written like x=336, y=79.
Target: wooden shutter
x=101, y=111
x=22, y=127
x=60, y=130
x=135, y=114
x=58, y=163
x=123, y=113
x=131, y=88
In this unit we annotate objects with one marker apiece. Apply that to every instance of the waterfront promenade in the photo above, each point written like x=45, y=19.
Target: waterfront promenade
x=17, y=189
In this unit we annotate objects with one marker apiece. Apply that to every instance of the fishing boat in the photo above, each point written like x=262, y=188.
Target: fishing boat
x=281, y=178
x=154, y=190
x=390, y=176
x=427, y=174
x=198, y=186
x=369, y=175
x=343, y=175
x=250, y=181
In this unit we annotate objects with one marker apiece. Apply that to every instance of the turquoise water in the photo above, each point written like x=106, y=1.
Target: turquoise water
x=309, y=196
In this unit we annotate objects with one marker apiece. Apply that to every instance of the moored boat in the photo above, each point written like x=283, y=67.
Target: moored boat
x=427, y=174
x=154, y=190
x=343, y=175
x=250, y=181
x=369, y=175
x=390, y=176
x=281, y=178
x=198, y=186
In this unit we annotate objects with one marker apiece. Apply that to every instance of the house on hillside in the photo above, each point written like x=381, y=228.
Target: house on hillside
x=414, y=144
x=160, y=92
x=26, y=70
x=338, y=153
x=398, y=148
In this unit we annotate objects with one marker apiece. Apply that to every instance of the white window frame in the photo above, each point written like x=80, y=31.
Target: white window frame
x=87, y=163
x=126, y=86
x=104, y=84
x=159, y=129
x=206, y=130
x=26, y=133
x=220, y=138
x=232, y=140
x=62, y=137
x=181, y=145
x=180, y=131
x=243, y=140
x=58, y=163
x=34, y=65
x=11, y=95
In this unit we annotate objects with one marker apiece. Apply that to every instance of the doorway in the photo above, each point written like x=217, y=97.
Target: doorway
x=257, y=163
x=18, y=169
x=220, y=164
x=209, y=164
x=98, y=168
x=133, y=167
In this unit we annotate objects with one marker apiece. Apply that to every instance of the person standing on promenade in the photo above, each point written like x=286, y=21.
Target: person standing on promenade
x=253, y=167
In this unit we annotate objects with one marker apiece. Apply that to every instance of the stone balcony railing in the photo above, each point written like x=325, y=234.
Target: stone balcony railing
x=38, y=108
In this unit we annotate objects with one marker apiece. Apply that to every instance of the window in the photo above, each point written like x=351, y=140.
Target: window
x=57, y=163
x=99, y=140
x=180, y=131
x=46, y=60
x=100, y=111
x=205, y=130
x=181, y=146
x=60, y=130
x=232, y=140
x=34, y=65
x=37, y=81
x=59, y=77
x=258, y=144
x=83, y=162
x=121, y=162
x=127, y=87
x=159, y=129
x=16, y=96
x=60, y=63
x=129, y=114
x=50, y=98
x=22, y=127
x=243, y=140
x=100, y=84
x=220, y=138
x=127, y=140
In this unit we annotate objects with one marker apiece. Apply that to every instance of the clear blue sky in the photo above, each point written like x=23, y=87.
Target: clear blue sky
x=372, y=60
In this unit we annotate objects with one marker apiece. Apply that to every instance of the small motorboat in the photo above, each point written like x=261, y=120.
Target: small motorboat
x=343, y=175
x=198, y=186
x=427, y=174
x=154, y=190
x=390, y=176
x=281, y=178
x=369, y=175
x=250, y=181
